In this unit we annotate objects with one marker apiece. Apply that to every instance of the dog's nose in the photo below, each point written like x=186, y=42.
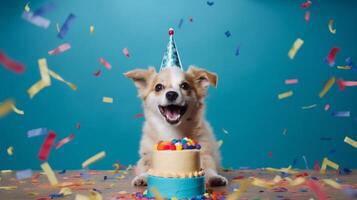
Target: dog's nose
x=171, y=95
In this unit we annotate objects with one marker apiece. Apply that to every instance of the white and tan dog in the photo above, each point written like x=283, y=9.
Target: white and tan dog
x=173, y=102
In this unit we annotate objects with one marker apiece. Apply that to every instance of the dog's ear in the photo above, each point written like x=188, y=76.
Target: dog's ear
x=202, y=79
x=141, y=78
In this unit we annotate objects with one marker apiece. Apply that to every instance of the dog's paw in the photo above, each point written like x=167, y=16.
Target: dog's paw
x=217, y=180
x=140, y=180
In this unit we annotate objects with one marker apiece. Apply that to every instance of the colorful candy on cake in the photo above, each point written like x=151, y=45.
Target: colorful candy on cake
x=176, y=169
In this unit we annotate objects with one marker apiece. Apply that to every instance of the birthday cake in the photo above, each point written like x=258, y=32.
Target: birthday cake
x=176, y=170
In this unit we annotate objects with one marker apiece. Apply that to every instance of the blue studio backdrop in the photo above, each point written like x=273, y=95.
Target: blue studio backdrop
x=257, y=129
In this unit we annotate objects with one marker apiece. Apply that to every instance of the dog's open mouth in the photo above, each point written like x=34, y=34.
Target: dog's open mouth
x=173, y=113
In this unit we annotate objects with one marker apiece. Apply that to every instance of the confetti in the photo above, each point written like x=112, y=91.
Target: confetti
x=36, y=20
x=350, y=142
x=316, y=189
x=180, y=23
x=341, y=113
x=190, y=19
x=11, y=65
x=36, y=132
x=327, y=87
x=107, y=100
x=65, y=26
x=227, y=33
x=242, y=189
x=327, y=107
x=10, y=151
x=45, y=9
x=316, y=167
x=105, y=63
x=93, y=159
x=332, y=183
x=285, y=131
x=225, y=131
x=285, y=94
x=326, y=162
x=210, y=3
x=308, y=107
x=307, y=16
x=295, y=48
x=64, y=141
x=284, y=170
x=16, y=110
x=330, y=26
x=46, y=146
x=156, y=193
x=24, y=174
x=8, y=187
x=58, y=77
x=61, y=48
x=330, y=59
x=305, y=161
x=291, y=81
x=45, y=79
x=36, y=88
x=237, y=51
x=78, y=126
x=65, y=191
x=139, y=115
x=49, y=173
x=97, y=73
x=306, y=4
x=219, y=143
x=27, y=7
x=126, y=52
x=6, y=107
x=343, y=84
x=344, y=67
x=58, y=27
x=91, y=29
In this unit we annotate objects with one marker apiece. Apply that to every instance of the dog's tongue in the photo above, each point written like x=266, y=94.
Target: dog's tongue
x=172, y=114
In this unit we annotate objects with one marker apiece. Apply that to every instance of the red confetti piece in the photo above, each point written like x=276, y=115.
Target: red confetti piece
x=332, y=55
x=46, y=146
x=126, y=52
x=97, y=73
x=105, y=63
x=11, y=64
x=343, y=84
x=317, y=168
x=64, y=141
x=307, y=16
x=78, y=125
x=306, y=4
x=316, y=189
x=62, y=48
x=139, y=115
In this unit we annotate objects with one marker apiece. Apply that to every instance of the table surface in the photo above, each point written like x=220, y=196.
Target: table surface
x=118, y=185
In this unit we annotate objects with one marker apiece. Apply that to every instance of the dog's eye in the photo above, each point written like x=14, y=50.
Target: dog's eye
x=185, y=86
x=159, y=87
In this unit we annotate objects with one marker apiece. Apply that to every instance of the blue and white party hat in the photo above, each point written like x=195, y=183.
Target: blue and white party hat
x=171, y=56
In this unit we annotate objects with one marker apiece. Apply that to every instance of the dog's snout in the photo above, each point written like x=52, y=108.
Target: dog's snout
x=171, y=95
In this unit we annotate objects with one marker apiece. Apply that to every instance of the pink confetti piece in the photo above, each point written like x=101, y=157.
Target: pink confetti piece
x=306, y=4
x=327, y=107
x=291, y=81
x=307, y=16
x=316, y=189
x=11, y=64
x=97, y=73
x=332, y=56
x=139, y=115
x=78, y=125
x=64, y=141
x=126, y=52
x=105, y=63
x=61, y=48
x=343, y=84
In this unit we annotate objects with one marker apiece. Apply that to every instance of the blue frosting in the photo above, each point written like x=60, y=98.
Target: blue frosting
x=177, y=187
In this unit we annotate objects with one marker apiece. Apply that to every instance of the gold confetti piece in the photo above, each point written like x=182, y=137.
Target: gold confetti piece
x=6, y=107
x=91, y=29
x=243, y=188
x=45, y=77
x=81, y=197
x=225, y=131
x=116, y=167
x=327, y=86
x=95, y=196
x=326, y=162
x=10, y=150
x=49, y=173
x=297, y=181
x=33, y=194
x=285, y=94
x=262, y=183
x=93, y=159
x=123, y=192
x=156, y=194
x=65, y=191
x=107, y=100
x=58, y=77
x=344, y=67
x=8, y=187
x=332, y=183
x=6, y=171
x=27, y=7
x=350, y=142
x=219, y=143
x=16, y=110
x=36, y=88
x=330, y=27
x=295, y=48
x=285, y=170
x=58, y=27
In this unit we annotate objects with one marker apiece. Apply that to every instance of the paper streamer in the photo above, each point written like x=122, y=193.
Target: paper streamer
x=105, y=63
x=306, y=4
x=6, y=107
x=64, y=141
x=327, y=86
x=350, y=142
x=46, y=146
x=24, y=174
x=36, y=132
x=59, y=78
x=307, y=16
x=62, y=48
x=93, y=159
x=242, y=189
x=295, y=48
x=36, y=20
x=341, y=113
x=126, y=52
x=326, y=162
x=330, y=59
x=330, y=26
x=291, y=81
x=285, y=94
x=66, y=25
x=107, y=100
x=49, y=173
x=11, y=65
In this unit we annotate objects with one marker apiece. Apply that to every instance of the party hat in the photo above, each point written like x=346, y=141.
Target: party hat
x=171, y=56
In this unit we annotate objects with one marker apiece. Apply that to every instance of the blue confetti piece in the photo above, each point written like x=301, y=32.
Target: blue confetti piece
x=294, y=162
x=44, y=9
x=227, y=33
x=36, y=132
x=62, y=172
x=341, y=113
x=53, y=196
x=180, y=23
x=344, y=171
x=305, y=161
x=325, y=138
x=237, y=51
x=66, y=25
x=210, y=3
x=24, y=174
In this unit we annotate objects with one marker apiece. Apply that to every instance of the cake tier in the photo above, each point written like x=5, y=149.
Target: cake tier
x=176, y=164
x=176, y=187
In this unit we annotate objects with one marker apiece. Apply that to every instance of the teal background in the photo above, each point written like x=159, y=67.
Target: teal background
x=245, y=102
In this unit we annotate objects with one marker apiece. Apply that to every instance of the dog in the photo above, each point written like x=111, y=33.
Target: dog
x=173, y=102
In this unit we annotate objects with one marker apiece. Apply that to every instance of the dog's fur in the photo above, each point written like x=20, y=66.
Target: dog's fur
x=191, y=124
